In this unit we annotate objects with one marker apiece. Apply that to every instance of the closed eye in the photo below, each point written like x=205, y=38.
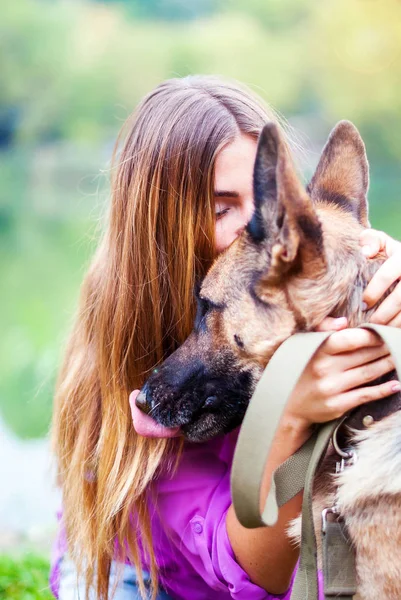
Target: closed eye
x=239, y=341
x=221, y=213
x=210, y=304
x=204, y=305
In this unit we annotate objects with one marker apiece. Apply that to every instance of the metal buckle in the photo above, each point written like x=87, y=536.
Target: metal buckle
x=351, y=459
x=328, y=511
x=348, y=455
x=344, y=454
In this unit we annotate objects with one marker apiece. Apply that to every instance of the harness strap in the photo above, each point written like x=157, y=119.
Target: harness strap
x=254, y=441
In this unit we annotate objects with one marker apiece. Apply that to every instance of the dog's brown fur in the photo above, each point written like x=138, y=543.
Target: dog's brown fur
x=298, y=261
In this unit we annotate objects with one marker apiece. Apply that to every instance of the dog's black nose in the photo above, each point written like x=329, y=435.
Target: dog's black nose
x=142, y=403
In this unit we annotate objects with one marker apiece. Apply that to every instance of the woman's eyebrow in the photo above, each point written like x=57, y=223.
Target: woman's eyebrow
x=226, y=194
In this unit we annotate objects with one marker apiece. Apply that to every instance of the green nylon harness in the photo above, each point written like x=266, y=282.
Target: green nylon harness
x=297, y=473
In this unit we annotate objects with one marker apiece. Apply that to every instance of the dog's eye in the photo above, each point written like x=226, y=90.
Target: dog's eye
x=204, y=305
x=238, y=341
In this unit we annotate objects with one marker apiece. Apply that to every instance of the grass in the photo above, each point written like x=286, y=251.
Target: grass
x=24, y=577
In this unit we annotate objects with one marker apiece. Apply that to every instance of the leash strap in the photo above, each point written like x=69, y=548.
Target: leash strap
x=306, y=582
x=257, y=431
x=253, y=445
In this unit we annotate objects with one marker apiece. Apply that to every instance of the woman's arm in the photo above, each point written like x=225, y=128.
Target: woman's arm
x=266, y=553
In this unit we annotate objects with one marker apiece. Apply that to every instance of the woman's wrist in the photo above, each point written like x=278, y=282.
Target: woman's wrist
x=291, y=433
x=298, y=428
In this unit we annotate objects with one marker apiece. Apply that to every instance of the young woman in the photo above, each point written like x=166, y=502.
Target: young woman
x=136, y=504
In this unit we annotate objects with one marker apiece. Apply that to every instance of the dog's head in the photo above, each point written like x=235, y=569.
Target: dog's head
x=297, y=262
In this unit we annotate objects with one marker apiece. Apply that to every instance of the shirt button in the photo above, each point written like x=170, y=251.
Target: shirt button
x=198, y=527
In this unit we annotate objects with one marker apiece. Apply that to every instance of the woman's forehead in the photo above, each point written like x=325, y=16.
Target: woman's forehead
x=234, y=165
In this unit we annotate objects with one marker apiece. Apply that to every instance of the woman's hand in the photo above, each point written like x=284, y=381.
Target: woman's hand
x=335, y=381
x=389, y=311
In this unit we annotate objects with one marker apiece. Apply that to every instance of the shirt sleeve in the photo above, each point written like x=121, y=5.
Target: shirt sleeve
x=215, y=549
x=218, y=559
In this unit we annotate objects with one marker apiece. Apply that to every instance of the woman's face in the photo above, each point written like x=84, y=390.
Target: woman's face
x=233, y=189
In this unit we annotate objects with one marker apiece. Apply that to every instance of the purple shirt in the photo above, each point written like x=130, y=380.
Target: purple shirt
x=189, y=529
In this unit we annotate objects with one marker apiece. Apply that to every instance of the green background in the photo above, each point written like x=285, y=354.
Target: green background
x=71, y=72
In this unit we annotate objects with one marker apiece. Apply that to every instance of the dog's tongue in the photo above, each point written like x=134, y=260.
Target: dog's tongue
x=147, y=427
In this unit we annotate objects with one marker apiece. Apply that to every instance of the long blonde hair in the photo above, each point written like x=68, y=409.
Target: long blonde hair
x=136, y=306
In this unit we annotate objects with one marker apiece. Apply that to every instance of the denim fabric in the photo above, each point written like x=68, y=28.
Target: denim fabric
x=127, y=588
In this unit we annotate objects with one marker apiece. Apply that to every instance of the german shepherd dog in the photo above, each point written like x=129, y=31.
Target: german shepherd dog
x=297, y=262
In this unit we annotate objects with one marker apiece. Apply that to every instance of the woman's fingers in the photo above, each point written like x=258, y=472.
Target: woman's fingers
x=332, y=324
x=396, y=322
x=373, y=242
x=388, y=273
x=336, y=365
x=350, y=339
x=351, y=360
x=389, y=308
x=358, y=376
x=349, y=400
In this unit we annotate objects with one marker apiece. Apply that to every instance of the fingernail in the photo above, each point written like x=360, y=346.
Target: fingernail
x=396, y=386
x=340, y=321
x=366, y=250
x=364, y=306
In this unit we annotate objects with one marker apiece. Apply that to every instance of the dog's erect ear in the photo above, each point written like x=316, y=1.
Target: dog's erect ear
x=265, y=183
x=342, y=175
x=284, y=216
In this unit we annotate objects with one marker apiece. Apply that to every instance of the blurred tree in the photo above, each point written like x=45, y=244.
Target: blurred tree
x=75, y=70
x=166, y=10
x=275, y=15
x=354, y=48
x=33, y=59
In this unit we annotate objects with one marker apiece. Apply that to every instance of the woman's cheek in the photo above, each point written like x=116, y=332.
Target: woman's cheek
x=226, y=232
x=221, y=240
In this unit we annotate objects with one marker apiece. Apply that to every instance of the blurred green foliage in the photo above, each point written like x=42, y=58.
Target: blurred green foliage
x=73, y=70
x=71, y=74
x=24, y=578
x=166, y=10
